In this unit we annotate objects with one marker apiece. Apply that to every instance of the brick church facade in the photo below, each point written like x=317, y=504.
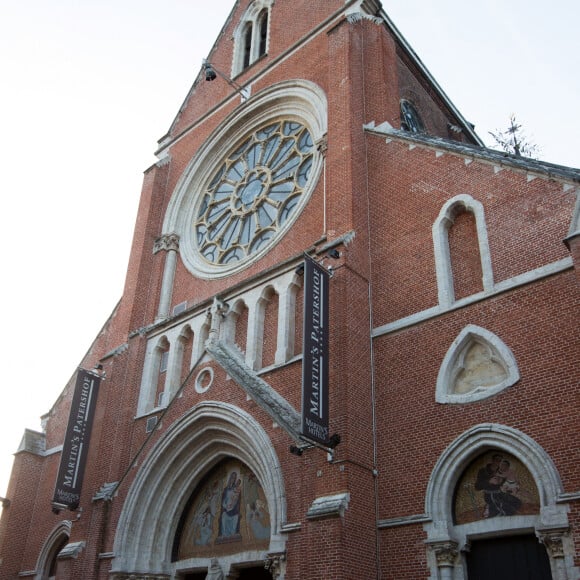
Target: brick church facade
x=451, y=445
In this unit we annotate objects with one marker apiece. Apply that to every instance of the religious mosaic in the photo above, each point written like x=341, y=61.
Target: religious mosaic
x=496, y=484
x=228, y=514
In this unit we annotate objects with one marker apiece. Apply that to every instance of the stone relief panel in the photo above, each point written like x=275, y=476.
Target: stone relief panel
x=480, y=368
x=477, y=365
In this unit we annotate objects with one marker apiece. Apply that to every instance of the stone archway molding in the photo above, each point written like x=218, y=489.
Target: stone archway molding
x=446, y=541
x=476, y=441
x=59, y=534
x=209, y=433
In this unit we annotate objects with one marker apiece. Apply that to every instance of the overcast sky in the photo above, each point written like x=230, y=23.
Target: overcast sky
x=87, y=89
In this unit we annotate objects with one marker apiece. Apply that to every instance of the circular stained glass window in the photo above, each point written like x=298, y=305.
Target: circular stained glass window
x=255, y=190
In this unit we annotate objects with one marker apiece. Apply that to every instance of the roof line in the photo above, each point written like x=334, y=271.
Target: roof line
x=407, y=47
x=549, y=170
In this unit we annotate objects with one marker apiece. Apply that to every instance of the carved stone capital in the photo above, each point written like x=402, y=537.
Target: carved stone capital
x=554, y=542
x=446, y=553
x=275, y=564
x=166, y=243
x=322, y=145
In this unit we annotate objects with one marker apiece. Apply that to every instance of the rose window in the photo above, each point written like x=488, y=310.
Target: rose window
x=253, y=193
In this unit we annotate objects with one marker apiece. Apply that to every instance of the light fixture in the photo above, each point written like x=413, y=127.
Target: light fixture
x=98, y=371
x=300, y=269
x=59, y=507
x=211, y=73
x=334, y=254
x=296, y=450
x=334, y=441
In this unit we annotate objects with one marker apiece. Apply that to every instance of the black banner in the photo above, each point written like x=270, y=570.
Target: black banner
x=315, y=353
x=76, y=444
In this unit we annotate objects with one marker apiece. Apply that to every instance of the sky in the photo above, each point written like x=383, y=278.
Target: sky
x=86, y=90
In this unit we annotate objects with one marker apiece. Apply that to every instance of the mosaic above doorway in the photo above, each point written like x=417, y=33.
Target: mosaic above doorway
x=495, y=484
x=228, y=513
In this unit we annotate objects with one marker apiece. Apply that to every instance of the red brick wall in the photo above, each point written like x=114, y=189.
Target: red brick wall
x=390, y=196
x=465, y=256
x=526, y=221
x=542, y=334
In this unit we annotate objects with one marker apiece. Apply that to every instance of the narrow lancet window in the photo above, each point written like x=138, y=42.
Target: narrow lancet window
x=263, y=29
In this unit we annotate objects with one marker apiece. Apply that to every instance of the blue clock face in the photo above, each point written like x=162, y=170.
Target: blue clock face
x=253, y=193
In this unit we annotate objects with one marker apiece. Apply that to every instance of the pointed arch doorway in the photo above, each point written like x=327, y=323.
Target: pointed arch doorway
x=189, y=476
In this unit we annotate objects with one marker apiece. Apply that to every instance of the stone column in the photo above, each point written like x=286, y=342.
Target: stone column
x=255, y=334
x=170, y=244
x=286, y=318
x=218, y=311
x=553, y=540
x=446, y=554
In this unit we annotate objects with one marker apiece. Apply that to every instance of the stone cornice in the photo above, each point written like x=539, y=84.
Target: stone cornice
x=474, y=152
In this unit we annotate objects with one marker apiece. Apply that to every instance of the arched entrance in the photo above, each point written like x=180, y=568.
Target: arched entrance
x=47, y=560
x=173, y=490
x=494, y=502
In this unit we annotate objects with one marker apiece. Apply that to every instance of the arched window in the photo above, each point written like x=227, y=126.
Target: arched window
x=466, y=257
x=464, y=254
x=247, y=45
x=251, y=36
x=238, y=317
x=299, y=318
x=168, y=361
x=185, y=351
x=52, y=561
x=263, y=32
x=53, y=546
x=161, y=364
x=410, y=119
x=270, y=305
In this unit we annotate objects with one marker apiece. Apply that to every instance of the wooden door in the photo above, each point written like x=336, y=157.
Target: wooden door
x=508, y=558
